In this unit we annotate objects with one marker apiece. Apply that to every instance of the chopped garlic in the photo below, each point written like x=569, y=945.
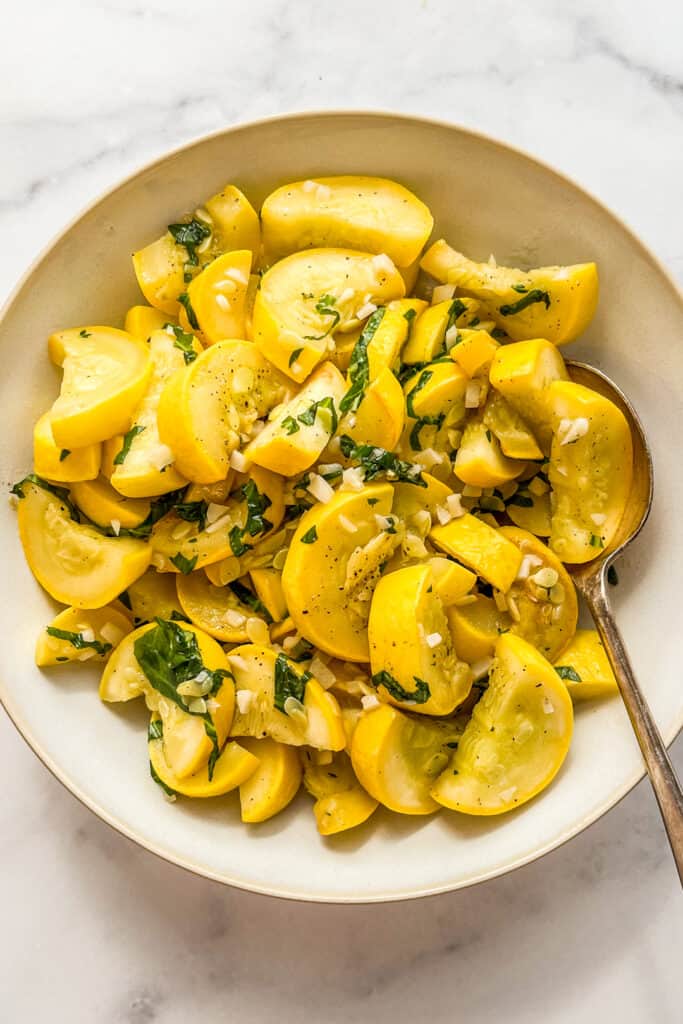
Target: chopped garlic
x=309, y=186
x=367, y=309
x=598, y=518
x=320, y=671
x=513, y=608
x=237, y=275
x=548, y=706
x=442, y=293
x=323, y=192
x=239, y=462
x=197, y=706
x=346, y=296
x=295, y=709
x=88, y=635
x=319, y=488
x=242, y=380
x=569, y=431
x=115, y=526
x=528, y=563
x=346, y=524
x=481, y=668
x=472, y=395
x=507, y=794
x=234, y=618
x=214, y=511
x=238, y=662
x=443, y=515
x=222, y=302
x=451, y=337
x=257, y=631
x=352, y=479
x=470, y=491
x=244, y=700
x=454, y=506
x=160, y=456
x=500, y=600
x=370, y=701
x=433, y=639
x=111, y=633
x=219, y=523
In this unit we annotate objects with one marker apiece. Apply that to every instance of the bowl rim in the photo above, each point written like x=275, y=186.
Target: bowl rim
x=14, y=713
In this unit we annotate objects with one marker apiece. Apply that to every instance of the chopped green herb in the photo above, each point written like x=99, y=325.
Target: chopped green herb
x=596, y=541
x=612, y=577
x=521, y=499
x=237, y=544
x=76, y=640
x=185, y=342
x=372, y=501
x=297, y=351
x=497, y=333
x=474, y=322
x=325, y=307
x=84, y=334
x=64, y=454
x=190, y=235
x=179, y=617
x=375, y=461
x=568, y=672
x=124, y=598
x=245, y=595
x=420, y=695
x=310, y=536
x=359, y=366
x=308, y=416
x=535, y=295
x=184, y=300
x=290, y=425
x=301, y=651
x=257, y=504
x=409, y=315
x=169, y=655
x=489, y=436
x=185, y=565
x=192, y=512
x=521, y=288
x=423, y=380
x=288, y=683
x=128, y=439
x=158, y=509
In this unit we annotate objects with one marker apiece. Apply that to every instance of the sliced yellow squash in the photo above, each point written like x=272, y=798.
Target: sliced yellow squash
x=481, y=548
x=585, y=669
x=295, y=437
x=397, y=757
x=235, y=765
x=333, y=563
x=556, y=303
x=226, y=613
x=218, y=296
x=480, y=461
x=74, y=563
x=413, y=661
x=142, y=321
x=341, y=802
x=98, y=500
x=153, y=596
x=62, y=464
x=522, y=374
x=517, y=738
x=305, y=298
x=78, y=635
x=274, y=783
x=207, y=405
x=349, y=211
x=105, y=373
x=591, y=468
x=514, y=436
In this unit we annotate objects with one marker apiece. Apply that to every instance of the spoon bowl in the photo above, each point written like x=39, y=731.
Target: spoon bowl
x=590, y=579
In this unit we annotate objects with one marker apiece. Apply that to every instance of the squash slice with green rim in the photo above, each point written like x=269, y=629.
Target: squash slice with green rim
x=234, y=766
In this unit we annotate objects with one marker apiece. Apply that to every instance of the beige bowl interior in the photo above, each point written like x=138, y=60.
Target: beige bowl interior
x=485, y=198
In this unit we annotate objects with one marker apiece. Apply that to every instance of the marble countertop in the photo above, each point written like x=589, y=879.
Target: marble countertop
x=95, y=929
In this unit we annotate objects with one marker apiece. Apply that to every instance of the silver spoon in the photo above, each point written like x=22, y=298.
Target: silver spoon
x=591, y=582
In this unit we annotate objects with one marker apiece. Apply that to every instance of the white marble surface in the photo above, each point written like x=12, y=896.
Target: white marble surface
x=95, y=929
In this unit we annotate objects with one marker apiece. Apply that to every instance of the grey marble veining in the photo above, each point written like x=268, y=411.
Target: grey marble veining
x=96, y=930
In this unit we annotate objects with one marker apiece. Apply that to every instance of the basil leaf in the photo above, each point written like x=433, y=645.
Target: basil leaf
x=245, y=595
x=288, y=683
x=257, y=504
x=77, y=641
x=310, y=536
x=185, y=342
x=568, y=672
x=84, y=334
x=295, y=354
x=192, y=512
x=128, y=439
x=325, y=307
x=184, y=300
x=420, y=695
x=64, y=454
x=185, y=565
x=190, y=235
x=535, y=295
x=237, y=544
x=290, y=425
x=359, y=366
x=308, y=416
x=375, y=461
x=596, y=541
x=169, y=655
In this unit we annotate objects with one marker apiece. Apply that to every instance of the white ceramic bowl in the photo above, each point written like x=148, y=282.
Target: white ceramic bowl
x=485, y=198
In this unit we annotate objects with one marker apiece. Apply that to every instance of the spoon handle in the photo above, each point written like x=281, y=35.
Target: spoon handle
x=662, y=776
